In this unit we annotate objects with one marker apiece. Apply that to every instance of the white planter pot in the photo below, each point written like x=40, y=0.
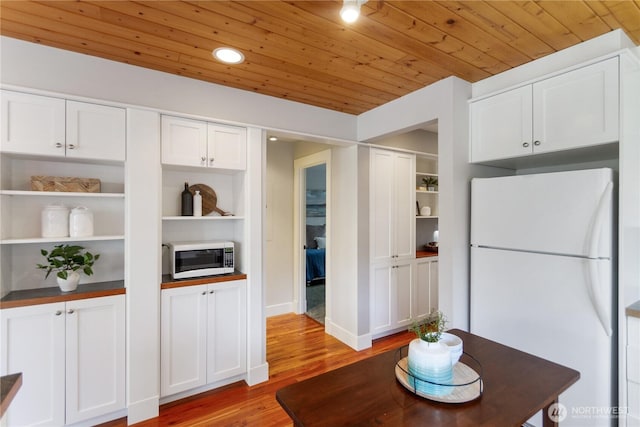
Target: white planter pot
x=430, y=367
x=70, y=283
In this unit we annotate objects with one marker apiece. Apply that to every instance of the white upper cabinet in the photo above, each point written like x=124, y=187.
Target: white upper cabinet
x=95, y=131
x=46, y=126
x=576, y=109
x=227, y=146
x=184, y=141
x=33, y=124
x=392, y=202
x=188, y=142
x=501, y=126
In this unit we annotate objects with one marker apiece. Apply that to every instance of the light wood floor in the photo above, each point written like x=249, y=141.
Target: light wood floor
x=297, y=348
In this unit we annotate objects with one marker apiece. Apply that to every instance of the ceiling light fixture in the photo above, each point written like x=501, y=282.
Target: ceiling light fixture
x=351, y=10
x=228, y=55
x=273, y=138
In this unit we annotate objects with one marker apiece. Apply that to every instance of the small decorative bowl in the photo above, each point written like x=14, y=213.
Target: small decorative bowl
x=455, y=346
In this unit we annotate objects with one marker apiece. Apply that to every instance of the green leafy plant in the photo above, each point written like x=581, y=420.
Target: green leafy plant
x=65, y=258
x=430, y=181
x=431, y=328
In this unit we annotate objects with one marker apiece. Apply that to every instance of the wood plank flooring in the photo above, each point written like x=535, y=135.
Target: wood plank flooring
x=297, y=348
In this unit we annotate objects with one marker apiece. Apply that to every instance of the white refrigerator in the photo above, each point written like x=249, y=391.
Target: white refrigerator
x=542, y=279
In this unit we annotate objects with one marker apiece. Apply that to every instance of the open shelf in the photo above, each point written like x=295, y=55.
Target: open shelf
x=59, y=239
x=60, y=194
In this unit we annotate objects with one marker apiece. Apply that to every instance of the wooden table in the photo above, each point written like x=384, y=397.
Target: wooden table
x=366, y=393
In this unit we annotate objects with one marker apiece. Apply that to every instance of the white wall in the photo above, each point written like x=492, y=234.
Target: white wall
x=35, y=66
x=279, y=229
x=446, y=102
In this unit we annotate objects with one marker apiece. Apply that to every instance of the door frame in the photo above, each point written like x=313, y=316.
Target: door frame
x=299, y=234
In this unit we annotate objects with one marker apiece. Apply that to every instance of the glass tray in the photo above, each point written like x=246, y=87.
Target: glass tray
x=466, y=386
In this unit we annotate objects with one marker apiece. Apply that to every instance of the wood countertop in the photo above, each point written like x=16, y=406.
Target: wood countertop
x=425, y=254
x=54, y=294
x=634, y=310
x=168, y=282
x=9, y=386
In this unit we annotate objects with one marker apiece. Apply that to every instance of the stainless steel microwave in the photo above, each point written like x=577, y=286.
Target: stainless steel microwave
x=198, y=259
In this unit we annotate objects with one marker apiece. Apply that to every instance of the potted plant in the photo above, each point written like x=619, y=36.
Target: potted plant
x=429, y=360
x=431, y=182
x=67, y=260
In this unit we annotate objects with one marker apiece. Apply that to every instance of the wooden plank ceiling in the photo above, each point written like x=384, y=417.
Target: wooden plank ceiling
x=302, y=51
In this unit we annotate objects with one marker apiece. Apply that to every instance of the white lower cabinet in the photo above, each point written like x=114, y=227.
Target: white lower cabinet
x=426, y=286
x=72, y=359
x=401, y=293
x=391, y=296
x=203, y=335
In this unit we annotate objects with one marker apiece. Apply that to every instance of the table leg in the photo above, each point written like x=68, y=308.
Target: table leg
x=548, y=419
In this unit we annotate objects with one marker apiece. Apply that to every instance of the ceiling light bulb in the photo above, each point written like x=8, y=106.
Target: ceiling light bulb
x=228, y=55
x=350, y=11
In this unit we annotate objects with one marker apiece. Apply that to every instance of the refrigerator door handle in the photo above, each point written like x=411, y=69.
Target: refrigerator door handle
x=598, y=220
x=593, y=280
x=595, y=297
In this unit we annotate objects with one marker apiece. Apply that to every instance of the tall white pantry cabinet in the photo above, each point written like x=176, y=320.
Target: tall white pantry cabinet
x=71, y=352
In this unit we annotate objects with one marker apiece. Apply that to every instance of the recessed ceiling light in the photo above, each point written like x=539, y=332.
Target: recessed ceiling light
x=273, y=138
x=228, y=55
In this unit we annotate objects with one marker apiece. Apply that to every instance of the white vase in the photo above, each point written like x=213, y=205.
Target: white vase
x=430, y=367
x=70, y=283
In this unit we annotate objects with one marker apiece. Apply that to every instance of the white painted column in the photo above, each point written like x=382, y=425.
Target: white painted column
x=143, y=230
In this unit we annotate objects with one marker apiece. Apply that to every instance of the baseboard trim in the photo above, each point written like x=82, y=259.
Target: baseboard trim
x=354, y=341
x=143, y=410
x=278, y=309
x=258, y=374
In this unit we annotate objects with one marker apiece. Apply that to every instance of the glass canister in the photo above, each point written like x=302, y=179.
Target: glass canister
x=55, y=221
x=80, y=222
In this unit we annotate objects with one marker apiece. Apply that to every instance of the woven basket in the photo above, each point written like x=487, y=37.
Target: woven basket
x=65, y=184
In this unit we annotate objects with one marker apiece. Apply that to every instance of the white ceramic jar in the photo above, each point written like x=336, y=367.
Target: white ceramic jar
x=80, y=222
x=55, y=221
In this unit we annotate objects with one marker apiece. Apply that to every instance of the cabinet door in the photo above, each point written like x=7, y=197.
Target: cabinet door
x=95, y=357
x=95, y=131
x=404, y=205
x=32, y=124
x=423, y=302
x=501, y=126
x=226, y=330
x=381, y=186
x=33, y=342
x=402, y=284
x=184, y=141
x=381, y=298
x=577, y=109
x=184, y=339
x=227, y=147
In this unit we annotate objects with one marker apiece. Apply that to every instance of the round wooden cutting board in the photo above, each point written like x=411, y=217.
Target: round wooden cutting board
x=209, y=199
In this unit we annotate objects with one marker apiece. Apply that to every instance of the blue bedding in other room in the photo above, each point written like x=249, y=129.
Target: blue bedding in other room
x=315, y=264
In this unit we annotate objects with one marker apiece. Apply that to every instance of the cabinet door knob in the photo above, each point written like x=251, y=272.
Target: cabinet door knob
x=203, y=159
x=212, y=292
x=71, y=146
x=58, y=312
x=525, y=144
x=211, y=161
x=536, y=143
x=204, y=292
x=71, y=311
x=58, y=145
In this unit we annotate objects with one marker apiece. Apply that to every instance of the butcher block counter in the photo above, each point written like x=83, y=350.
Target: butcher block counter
x=168, y=282
x=54, y=294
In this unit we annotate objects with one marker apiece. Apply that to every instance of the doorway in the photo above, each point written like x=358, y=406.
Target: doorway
x=311, y=236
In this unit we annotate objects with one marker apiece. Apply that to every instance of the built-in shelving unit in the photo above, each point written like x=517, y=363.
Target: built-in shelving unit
x=426, y=167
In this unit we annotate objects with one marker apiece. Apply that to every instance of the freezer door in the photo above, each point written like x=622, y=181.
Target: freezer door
x=541, y=304
x=559, y=213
